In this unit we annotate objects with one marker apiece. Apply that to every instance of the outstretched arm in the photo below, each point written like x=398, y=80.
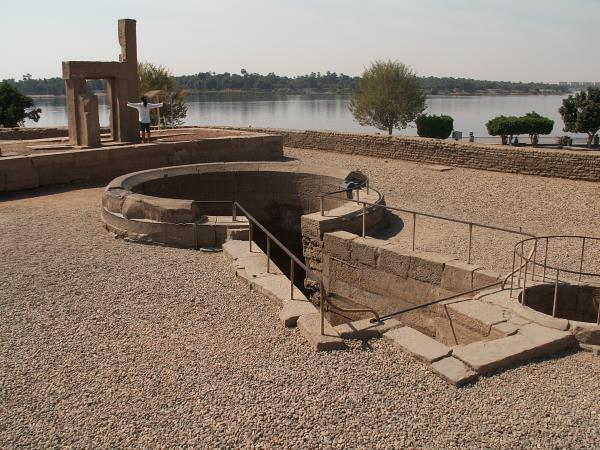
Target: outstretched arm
x=133, y=105
x=155, y=105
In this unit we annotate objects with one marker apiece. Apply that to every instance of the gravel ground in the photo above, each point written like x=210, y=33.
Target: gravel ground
x=541, y=206
x=105, y=343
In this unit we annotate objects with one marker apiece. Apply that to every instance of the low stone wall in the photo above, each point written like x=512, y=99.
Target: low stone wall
x=21, y=133
x=373, y=273
x=577, y=165
x=102, y=164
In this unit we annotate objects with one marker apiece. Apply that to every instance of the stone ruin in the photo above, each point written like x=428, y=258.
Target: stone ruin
x=122, y=81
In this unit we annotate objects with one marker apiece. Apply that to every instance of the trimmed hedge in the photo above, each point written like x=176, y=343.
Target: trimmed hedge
x=531, y=123
x=439, y=127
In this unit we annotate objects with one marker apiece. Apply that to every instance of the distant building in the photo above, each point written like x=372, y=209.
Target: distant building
x=579, y=84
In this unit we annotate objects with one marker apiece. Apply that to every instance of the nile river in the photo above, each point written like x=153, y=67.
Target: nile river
x=326, y=112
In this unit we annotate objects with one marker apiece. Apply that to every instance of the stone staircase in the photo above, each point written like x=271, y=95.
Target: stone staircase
x=508, y=333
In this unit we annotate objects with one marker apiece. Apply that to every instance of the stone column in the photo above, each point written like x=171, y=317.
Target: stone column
x=89, y=120
x=74, y=88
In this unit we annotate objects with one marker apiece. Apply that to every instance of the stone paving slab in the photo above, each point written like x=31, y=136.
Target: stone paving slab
x=293, y=309
x=532, y=341
x=418, y=344
x=365, y=329
x=454, y=371
x=276, y=287
x=539, y=318
x=310, y=327
x=477, y=315
x=505, y=329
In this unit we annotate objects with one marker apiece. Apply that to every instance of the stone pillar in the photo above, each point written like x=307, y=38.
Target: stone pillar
x=128, y=84
x=74, y=88
x=113, y=118
x=90, y=120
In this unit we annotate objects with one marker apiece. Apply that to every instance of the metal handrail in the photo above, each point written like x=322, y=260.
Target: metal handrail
x=415, y=214
x=545, y=266
x=450, y=297
x=293, y=261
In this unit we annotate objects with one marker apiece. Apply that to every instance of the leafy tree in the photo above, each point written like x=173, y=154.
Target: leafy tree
x=16, y=107
x=439, y=127
x=388, y=96
x=534, y=124
x=152, y=77
x=581, y=113
x=531, y=123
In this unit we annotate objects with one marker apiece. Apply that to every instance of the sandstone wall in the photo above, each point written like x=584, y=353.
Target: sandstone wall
x=95, y=165
x=577, y=165
x=21, y=133
x=373, y=273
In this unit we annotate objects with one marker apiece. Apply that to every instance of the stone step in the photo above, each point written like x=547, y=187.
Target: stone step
x=310, y=327
x=418, y=344
x=294, y=309
x=477, y=315
x=365, y=329
x=453, y=371
x=531, y=341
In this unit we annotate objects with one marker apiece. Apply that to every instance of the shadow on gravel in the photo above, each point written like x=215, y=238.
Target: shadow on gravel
x=394, y=225
x=48, y=190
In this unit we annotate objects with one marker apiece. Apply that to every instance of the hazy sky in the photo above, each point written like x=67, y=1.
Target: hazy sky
x=528, y=40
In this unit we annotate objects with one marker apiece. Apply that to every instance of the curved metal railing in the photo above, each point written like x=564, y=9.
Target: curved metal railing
x=557, y=269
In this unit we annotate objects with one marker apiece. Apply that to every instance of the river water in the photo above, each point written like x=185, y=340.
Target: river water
x=326, y=112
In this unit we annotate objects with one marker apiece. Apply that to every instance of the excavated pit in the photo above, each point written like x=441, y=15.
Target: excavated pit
x=191, y=206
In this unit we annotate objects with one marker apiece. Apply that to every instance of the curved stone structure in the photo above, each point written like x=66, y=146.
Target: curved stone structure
x=190, y=206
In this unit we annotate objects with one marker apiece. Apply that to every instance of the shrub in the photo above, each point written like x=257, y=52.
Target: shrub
x=531, y=124
x=439, y=127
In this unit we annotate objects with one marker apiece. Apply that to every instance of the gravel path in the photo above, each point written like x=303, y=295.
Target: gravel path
x=105, y=343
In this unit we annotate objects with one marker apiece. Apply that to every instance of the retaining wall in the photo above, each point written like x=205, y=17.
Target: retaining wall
x=373, y=273
x=101, y=164
x=577, y=165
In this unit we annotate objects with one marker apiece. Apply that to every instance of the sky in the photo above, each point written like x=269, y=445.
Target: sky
x=526, y=40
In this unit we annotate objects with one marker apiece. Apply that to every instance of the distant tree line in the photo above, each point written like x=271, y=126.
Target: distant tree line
x=329, y=82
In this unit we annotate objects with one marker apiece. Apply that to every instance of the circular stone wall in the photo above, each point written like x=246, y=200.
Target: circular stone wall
x=190, y=206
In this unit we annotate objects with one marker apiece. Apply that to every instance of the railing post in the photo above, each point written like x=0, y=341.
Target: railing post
x=554, y=306
x=321, y=205
x=521, y=256
x=414, y=230
x=581, y=260
x=524, y=283
x=470, y=242
x=233, y=212
x=250, y=236
x=322, y=308
x=545, y=261
x=364, y=220
x=533, y=255
x=268, y=253
x=512, y=274
x=291, y=279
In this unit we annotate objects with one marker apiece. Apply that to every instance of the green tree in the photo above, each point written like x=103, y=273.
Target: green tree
x=581, y=113
x=439, y=127
x=534, y=124
x=159, y=78
x=388, y=96
x=16, y=107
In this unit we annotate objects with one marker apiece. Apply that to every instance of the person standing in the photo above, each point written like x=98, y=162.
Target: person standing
x=143, y=109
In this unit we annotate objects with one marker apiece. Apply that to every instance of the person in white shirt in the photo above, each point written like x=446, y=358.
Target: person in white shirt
x=143, y=109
